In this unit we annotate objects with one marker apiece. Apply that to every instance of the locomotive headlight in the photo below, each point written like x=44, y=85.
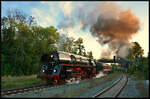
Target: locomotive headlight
x=55, y=70
x=43, y=71
x=51, y=56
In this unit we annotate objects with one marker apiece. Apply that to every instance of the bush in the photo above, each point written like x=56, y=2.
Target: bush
x=140, y=69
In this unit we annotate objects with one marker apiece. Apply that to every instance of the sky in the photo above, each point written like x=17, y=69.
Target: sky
x=66, y=17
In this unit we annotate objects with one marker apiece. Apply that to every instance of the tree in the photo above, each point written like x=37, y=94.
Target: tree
x=69, y=44
x=79, y=45
x=135, y=50
x=31, y=21
x=139, y=67
x=66, y=44
x=84, y=53
x=24, y=43
x=90, y=54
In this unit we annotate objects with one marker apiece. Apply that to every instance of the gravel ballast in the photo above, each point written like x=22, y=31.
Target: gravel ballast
x=86, y=88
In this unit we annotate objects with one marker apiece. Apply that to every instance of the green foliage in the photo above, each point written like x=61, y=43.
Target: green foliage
x=136, y=50
x=79, y=45
x=90, y=55
x=18, y=81
x=140, y=69
x=23, y=43
x=116, y=68
x=69, y=44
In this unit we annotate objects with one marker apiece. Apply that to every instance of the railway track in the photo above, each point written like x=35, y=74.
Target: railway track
x=113, y=90
x=28, y=88
x=25, y=89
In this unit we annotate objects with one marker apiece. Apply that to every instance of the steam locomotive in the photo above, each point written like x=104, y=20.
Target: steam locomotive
x=60, y=66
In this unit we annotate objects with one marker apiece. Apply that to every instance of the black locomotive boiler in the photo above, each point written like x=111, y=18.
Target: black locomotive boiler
x=59, y=66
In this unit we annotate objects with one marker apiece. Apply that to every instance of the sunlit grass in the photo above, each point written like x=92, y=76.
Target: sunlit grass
x=17, y=81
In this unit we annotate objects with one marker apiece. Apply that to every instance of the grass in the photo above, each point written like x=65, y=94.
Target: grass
x=144, y=89
x=18, y=81
x=137, y=76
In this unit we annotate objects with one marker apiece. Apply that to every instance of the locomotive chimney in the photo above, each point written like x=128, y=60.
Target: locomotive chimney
x=114, y=59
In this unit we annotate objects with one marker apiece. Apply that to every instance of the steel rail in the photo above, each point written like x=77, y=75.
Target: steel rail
x=24, y=89
x=110, y=87
x=120, y=90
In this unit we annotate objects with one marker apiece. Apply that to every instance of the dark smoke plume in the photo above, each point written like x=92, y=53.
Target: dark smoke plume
x=124, y=26
x=116, y=30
